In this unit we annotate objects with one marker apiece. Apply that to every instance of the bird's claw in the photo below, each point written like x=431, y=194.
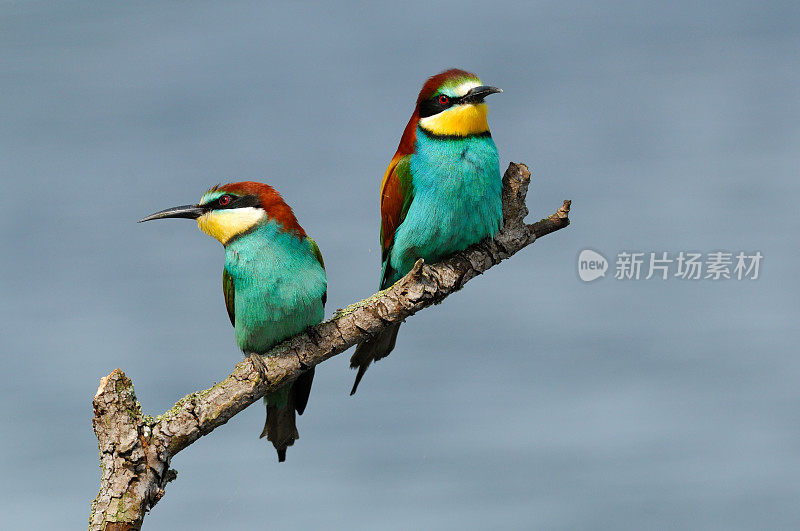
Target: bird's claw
x=313, y=334
x=303, y=366
x=260, y=365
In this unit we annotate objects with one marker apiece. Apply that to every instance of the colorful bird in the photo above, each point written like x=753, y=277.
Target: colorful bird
x=273, y=281
x=441, y=191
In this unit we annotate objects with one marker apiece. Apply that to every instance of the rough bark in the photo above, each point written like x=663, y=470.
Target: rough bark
x=136, y=449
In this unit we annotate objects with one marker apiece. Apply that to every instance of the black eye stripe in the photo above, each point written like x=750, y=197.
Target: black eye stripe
x=433, y=106
x=244, y=201
x=237, y=201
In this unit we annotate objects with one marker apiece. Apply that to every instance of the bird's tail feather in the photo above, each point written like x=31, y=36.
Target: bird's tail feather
x=280, y=427
x=373, y=349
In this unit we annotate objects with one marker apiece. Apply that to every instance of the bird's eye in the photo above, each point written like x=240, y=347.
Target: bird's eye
x=443, y=99
x=225, y=200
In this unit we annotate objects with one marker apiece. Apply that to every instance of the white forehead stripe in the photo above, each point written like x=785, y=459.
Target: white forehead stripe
x=463, y=88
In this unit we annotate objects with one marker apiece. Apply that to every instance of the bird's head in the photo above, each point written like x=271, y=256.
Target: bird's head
x=451, y=103
x=230, y=210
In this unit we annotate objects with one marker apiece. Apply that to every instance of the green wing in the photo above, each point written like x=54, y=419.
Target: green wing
x=397, y=193
x=230, y=295
x=318, y=256
x=316, y=251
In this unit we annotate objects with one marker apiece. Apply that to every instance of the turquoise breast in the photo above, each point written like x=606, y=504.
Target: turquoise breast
x=457, y=199
x=279, y=285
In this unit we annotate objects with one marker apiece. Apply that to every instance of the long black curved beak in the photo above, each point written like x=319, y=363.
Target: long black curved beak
x=477, y=94
x=184, y=211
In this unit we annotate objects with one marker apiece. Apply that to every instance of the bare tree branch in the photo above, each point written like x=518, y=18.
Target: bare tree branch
x=135, y=450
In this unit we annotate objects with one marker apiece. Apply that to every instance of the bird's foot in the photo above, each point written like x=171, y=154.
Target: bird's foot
x=260, y=365
x=313, y=334
x=303, y=366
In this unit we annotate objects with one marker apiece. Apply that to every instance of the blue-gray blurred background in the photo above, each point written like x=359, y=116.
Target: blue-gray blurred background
x=529, y=400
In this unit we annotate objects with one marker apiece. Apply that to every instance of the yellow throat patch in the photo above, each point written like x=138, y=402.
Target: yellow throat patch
x=225, y=224
x=460, y=120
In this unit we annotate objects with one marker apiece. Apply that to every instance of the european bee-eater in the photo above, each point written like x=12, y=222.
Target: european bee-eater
x=273, y=281
x=441, y=191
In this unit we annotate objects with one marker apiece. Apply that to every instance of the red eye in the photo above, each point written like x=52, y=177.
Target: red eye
x=225, y=200
x=444, y=100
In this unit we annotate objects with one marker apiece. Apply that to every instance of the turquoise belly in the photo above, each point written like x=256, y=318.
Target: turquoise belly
x=279, y=286
x=457, y=201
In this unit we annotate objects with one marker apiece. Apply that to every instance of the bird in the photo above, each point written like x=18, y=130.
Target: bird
x=274, y=283
x=441, y=192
